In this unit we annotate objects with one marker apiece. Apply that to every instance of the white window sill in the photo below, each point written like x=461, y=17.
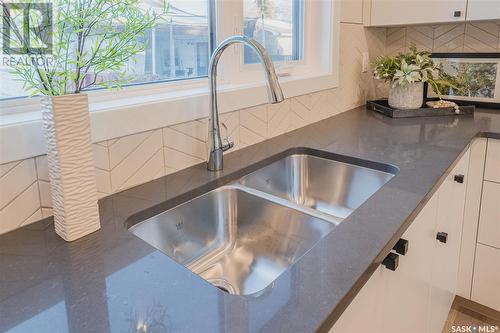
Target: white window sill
x=121, y=116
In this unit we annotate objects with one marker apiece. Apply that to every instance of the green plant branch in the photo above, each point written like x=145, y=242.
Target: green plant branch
x=90, y=37
x=410, y=67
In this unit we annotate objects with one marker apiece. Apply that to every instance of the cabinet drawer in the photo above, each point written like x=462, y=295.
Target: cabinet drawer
x=492, y=168
x=486, y=282
x=489, y=220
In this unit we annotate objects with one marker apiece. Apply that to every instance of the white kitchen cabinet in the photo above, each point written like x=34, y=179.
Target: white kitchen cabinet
x=364, y=312
x=489, y=220
x=471, y=216
x=446, y=253
x=492, y=168
x=486, y=284
x=407, y=289
x=417, y=296
x=351, y=11
x=405, y=12
x=483, y=10
x=396, y=301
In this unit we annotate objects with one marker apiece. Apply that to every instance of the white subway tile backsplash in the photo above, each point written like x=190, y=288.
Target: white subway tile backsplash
x=481, y=37
x=14, y=214
x=4, y=168
x=176, y=160
x=278, y=118
x=16, y=181
x=120, y=148
x=454, y=37
x=45, y=197
x=153, y=168
x=253, y=126
x=33, y=218
x=42, y=167
x=131, y=166
x=189, y=143
x=101, y=156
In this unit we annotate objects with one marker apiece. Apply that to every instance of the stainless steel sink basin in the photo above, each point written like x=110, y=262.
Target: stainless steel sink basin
x=241, y=237
x=235, y=240
x=332, y=187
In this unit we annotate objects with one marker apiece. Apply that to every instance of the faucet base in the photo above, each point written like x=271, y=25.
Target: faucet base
x=215, y=161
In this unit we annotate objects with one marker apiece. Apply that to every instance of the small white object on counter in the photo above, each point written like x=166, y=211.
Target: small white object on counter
x=443, y=104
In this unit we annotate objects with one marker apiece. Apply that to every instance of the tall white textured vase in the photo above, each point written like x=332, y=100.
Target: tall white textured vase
x=70, y=159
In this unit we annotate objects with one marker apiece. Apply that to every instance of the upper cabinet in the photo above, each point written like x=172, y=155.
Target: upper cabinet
x=352, y=11
x=406, y=12
x=483, y=10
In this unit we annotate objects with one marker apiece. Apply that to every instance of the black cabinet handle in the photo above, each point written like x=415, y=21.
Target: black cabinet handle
x=459, y=178
x=391, y=261
x=401, y=246
x=457, y=13
x=442, y=237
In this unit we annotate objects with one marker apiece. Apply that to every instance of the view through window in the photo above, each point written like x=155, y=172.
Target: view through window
x=276, y=24
x=179, y=46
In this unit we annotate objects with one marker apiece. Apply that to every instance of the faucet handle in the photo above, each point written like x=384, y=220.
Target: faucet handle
x=229, y=143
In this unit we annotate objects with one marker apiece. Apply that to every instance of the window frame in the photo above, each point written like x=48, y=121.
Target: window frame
x=218, y=31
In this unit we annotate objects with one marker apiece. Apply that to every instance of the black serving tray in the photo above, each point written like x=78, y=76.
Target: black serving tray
x=382, y=106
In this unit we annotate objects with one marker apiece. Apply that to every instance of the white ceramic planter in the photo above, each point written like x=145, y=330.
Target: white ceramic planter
x=70, y=159
x=409, y=96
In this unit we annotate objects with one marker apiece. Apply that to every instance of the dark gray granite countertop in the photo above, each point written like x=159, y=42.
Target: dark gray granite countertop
x=112, y=281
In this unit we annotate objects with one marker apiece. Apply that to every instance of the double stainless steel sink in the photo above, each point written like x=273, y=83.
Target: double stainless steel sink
x=242, y=236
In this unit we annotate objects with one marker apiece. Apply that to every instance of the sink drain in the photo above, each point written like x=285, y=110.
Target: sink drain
x=223, y=285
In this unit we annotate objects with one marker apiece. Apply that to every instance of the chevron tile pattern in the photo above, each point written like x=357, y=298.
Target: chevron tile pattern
x=456, y=37
x=122, y=163
x=184, y=145
x=44, y=185
x=19, y=194
x=135, y=159
x=253, y=127
x=396, y=40
x=482, y=37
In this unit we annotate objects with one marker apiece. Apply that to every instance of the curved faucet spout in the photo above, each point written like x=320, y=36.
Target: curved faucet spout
x=216, y=147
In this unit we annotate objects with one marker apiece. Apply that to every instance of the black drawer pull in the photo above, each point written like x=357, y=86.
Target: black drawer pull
x=442, y=237
x=401, y=246
x=459, y=178
x=457, y=13
x=391, y=261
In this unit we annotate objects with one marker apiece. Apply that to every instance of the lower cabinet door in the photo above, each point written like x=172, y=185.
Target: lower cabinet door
x=486, y=282
x=407, y=289
x=447, y=240
x=363, y=314
x=397, y=301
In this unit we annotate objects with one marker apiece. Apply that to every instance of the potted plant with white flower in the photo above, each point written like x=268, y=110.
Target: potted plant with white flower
x=407, y=73
x=92, y=40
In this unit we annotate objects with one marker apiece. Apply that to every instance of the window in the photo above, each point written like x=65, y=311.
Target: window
x=276, y=24
x=177, y=48
x=296, y=34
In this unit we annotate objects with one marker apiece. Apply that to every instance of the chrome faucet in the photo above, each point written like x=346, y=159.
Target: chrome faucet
x=216, y=147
